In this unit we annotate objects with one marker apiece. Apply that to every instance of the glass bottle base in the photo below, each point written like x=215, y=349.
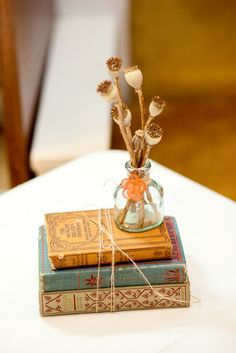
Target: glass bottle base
x=134, y=229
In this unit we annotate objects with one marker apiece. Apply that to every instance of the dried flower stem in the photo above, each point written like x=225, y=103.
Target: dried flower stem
x=137, y=150
x=142, y=107
x=119, y=99
x=149, y=120
x=145, y=155
x=141, y=218
x=127, y=140
x=149, y=196
x=143, y=119
x=137, y=139
x=129, y=134
x=124, y=211
x=136, y=142
x=150, y=200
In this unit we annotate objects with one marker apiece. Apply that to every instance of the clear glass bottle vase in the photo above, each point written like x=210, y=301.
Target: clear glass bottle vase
x=138, y=200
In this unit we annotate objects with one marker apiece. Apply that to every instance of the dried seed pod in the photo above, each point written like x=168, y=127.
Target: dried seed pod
x=114, y=113
x=156, y=106
x=127, y=116
x=114, y=65
x=137, y=139
x=134, y=77
x=139, y=133
x=153, y=134
x=107, y=90
x=126, y=113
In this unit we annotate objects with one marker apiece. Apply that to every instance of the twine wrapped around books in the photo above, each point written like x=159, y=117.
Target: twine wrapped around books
x=101, y=247
x=114, y=247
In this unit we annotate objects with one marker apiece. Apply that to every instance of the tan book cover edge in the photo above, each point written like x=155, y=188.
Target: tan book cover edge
x=74, y=235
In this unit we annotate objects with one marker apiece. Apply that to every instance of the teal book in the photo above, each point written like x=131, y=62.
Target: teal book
x=157, y=272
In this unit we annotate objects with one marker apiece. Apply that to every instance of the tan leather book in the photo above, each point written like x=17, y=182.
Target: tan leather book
x=76, y=239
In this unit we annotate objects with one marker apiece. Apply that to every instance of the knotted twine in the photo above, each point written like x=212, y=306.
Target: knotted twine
x=108, y=230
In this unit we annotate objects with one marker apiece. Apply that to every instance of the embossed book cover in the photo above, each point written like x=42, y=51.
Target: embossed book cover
x=171, y=270
x=123, y=298
x=74, y=239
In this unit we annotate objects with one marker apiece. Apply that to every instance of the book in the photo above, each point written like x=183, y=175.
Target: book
x=157, y=271
x=124, y=298
x=74, y=240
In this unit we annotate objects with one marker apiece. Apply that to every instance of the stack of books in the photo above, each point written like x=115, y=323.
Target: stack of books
x=75, y=270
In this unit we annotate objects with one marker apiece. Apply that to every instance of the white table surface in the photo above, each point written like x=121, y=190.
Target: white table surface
x=207, y=226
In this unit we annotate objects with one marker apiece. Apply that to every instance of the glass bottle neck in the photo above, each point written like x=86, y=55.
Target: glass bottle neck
x=141, y=172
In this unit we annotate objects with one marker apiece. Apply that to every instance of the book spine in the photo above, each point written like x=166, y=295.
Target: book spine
x=127, y=298
x=86, y=278
x=106, y=257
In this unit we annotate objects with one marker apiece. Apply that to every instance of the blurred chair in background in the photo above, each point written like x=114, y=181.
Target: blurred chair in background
x=73, y=120
x=25, y=30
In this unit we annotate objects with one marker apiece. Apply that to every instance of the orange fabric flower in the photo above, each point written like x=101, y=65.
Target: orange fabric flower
x=134, y=187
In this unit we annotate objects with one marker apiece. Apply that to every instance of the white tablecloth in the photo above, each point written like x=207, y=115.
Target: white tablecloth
x=206, y=221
